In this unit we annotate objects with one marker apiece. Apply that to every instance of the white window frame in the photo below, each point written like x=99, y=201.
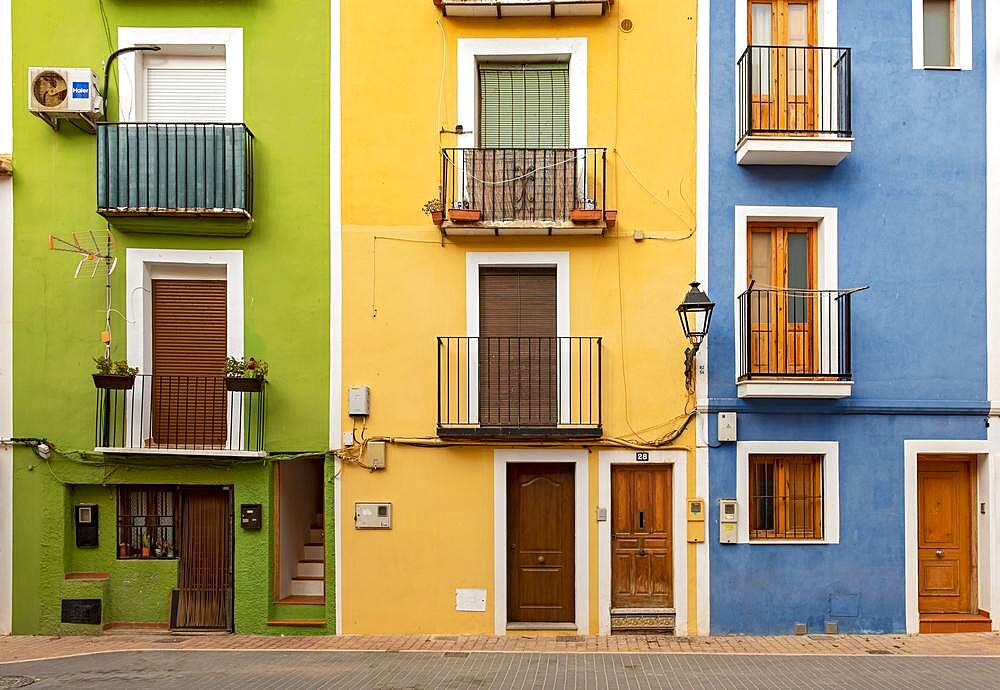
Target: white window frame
x=962, y=38
x=677, y=459
x=560, y=260
x=581, y=532
x=130, y=65
x=830, y=450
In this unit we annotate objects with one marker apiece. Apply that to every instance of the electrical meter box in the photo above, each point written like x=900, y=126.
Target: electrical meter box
x=373, y=516
x=696, y=520
x=358, y=401
x=376, y=455
x=727, y=521
x=86, y=526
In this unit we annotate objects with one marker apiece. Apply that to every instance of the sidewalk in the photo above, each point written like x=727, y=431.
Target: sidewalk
x=20, y=648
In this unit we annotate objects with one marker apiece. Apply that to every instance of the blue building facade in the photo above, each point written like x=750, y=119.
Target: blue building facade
x=847, y=253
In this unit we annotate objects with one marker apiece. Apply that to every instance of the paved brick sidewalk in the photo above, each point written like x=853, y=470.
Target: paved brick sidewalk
x=976, y=644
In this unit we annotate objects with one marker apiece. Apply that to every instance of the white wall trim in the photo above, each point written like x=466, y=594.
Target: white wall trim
x=826, y=249
x=6, y=327
x=470, y=50
x=830, y=450
x=677, y=459
x=130, y=64
x=991, y=530
x=581, y=508
x=336, y=303
x=962, y=38
x=989, y=582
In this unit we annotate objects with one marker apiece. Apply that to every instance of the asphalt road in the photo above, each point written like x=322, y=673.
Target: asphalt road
x=397, y=670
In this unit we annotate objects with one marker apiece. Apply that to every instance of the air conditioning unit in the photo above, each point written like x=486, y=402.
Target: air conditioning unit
x=65, y=93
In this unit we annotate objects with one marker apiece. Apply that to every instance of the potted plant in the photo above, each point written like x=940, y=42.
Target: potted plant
x=112, y=375
x=245, y=374
x=588, y=214
x=461, y=213
x=145, y=544
x=435, y=209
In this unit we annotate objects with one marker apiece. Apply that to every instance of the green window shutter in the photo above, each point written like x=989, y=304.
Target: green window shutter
x=524, y=106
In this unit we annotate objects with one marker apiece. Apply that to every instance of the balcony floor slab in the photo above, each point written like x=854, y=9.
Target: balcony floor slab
x=796, y=150
x=786, y=388
x=522, y=229
x=182, y=451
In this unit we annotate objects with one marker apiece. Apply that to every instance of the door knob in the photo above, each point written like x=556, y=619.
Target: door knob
x=939, y=553
x=642, y=551
x=541, y=559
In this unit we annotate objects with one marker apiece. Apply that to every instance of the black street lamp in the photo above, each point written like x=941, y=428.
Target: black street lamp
x=695, y=313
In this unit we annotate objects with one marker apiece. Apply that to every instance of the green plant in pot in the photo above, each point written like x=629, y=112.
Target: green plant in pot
x=114, y=375
x=245, y=374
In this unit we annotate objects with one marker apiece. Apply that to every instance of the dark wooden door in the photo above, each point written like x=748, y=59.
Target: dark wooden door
x=944, y=534
x=205, y=569
x=518, y=350
x=641, y=536
x=540, y=528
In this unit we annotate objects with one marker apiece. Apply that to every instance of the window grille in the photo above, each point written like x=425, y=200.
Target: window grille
x=147, y=522
x=524, y=106
x=786, y=496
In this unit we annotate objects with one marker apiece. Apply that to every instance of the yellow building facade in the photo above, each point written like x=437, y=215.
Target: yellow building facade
x=518, y=230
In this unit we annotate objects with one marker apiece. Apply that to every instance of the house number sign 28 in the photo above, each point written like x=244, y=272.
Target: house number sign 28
x=642, y=456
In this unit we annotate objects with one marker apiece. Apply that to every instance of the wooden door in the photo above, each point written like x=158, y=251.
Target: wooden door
x=540, y=529
x=518, y=350
x=945, y=534
x=205, y=570
x=783, y=70
x=188, y=399
x=641, y=537
x=782, y=268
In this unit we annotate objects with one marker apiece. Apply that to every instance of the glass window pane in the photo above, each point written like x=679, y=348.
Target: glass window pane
x=798, y=25
x=798, y=261
x=938, y=33
x=760, y=35
x=760, y=258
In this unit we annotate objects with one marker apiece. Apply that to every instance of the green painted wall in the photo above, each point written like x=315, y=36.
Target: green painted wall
x=57, y=320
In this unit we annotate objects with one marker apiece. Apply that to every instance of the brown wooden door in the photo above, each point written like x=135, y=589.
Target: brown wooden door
x=540, y=529
x=783, y=80
x=944, y=534
x=188, y=400
x=518, y=350
x=204, y=570
x=641, y=537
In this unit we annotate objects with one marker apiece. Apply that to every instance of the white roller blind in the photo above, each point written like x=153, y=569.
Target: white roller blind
x=186, y=93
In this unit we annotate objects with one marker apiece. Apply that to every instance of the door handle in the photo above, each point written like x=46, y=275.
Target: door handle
x=642, y=551
x=939, y=553
x=540, y=559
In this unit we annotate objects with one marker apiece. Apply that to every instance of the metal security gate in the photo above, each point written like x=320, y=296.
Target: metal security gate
x=203, y=599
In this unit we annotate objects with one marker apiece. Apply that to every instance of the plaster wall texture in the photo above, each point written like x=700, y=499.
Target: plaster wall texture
x=57, y=320
x=911, y=205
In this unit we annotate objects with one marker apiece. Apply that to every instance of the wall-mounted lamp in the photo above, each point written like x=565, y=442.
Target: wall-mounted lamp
x=695, y=313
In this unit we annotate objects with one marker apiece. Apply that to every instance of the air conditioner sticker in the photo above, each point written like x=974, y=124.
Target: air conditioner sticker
x=81, y=89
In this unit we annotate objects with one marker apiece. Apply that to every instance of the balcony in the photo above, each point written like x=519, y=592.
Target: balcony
x=181, y=415
x=794, y=343
x=498, y=9
x=522, y=387
x=187, y=179
x=524, y=192
x=794, y=105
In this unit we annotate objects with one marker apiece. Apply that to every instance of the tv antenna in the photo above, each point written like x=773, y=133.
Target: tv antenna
x=91, y=253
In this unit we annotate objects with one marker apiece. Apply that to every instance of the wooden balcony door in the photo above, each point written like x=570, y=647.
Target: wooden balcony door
x=188, y=399
x=782, y=316
x=945, y=534
x=518, y=348
x=641, y=537
x=783, y=80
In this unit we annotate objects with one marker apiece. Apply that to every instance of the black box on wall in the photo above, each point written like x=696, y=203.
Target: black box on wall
x=250, y=515
x=86, y=520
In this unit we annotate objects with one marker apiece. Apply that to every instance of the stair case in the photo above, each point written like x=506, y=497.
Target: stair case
x=310, y=571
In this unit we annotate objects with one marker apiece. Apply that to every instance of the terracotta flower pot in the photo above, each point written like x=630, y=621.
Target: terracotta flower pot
x=244, y=384
x=586, y=215
x=437, y=217
x=114, y=382
x=464, y=215
x=611, y=217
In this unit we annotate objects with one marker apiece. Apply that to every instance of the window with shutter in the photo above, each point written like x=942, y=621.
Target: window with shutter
x=524, y=105
x=185, y=88
x=188, y=406
x=786, y=497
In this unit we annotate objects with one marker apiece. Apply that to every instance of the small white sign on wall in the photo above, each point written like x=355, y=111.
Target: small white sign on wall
x=470, y=599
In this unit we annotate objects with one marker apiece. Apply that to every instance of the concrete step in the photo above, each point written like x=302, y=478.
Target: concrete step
x=312, y=552
x=316, y=535
x=308, y=587
x=299, y=623
x=318, y=520
x=310, y=569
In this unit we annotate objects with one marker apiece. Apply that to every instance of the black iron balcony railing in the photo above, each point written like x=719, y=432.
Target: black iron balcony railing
x=544, y=186
x=183, y=169
x=191, y=413
x=794, y=91
x=801, y=334
x=519, y=386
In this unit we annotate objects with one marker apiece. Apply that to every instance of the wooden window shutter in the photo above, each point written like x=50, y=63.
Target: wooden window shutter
x=188, y=402
x=524, y=105
x=518, y=373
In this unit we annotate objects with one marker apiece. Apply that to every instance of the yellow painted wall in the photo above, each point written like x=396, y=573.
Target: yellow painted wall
x=403, y=287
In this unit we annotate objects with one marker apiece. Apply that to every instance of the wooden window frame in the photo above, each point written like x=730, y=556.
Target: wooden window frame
x=129, y=535
x=778, y=502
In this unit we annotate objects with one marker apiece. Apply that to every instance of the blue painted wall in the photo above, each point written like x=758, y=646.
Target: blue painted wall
x=912, y=225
